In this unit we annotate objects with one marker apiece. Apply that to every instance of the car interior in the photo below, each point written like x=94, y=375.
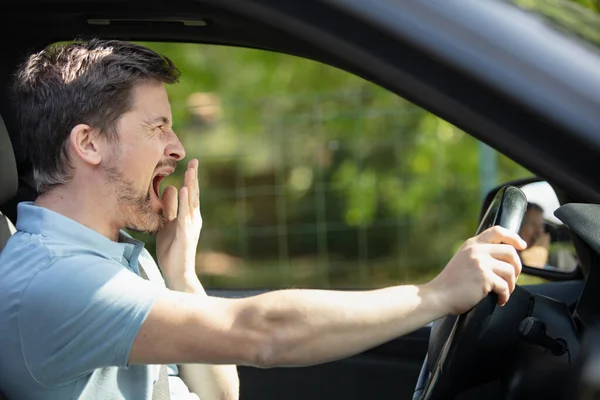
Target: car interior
x=530, y=348
x=8, y=182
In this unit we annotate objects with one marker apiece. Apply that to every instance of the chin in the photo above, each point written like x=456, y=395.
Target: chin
x=149, y=227
x=147, y=218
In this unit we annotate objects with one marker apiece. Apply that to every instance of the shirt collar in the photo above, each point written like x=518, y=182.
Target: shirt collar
x=42, y=221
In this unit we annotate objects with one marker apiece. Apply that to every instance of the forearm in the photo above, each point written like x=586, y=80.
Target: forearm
x=209, y=382
x=304, y=327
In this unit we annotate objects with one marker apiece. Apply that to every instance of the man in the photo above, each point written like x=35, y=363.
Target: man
x=533, y=232
x=77, y=319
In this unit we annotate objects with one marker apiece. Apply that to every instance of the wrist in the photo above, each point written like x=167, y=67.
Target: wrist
x=433, y=300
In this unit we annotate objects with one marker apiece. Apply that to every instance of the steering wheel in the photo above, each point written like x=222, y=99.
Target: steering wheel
x=440, y=376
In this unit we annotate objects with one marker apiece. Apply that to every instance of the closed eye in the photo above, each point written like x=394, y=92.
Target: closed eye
x=161, y=129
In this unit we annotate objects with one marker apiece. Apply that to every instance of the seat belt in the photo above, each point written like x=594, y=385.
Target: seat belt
x=161, y=388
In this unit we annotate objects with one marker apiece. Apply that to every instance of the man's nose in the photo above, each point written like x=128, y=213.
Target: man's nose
x=175, y=149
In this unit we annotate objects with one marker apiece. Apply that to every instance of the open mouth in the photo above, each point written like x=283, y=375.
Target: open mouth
x=156, y=181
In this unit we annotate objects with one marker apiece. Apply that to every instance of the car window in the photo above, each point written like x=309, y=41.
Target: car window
x=313, y=177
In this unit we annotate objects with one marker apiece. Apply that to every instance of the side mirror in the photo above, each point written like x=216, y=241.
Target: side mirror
x=550, y=253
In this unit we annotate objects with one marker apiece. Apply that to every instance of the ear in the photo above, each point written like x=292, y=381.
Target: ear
x=85, y=143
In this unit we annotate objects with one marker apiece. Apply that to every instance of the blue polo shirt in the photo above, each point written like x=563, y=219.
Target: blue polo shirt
x=71, y=304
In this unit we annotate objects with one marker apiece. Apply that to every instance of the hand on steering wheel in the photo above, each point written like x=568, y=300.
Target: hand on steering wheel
x=483, y=272
x=487, y=263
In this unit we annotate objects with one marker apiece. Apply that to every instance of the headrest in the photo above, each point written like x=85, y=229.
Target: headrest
x=8, y=166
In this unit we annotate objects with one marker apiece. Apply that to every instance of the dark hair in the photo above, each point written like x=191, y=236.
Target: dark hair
x=82, y=82
x=535, y=207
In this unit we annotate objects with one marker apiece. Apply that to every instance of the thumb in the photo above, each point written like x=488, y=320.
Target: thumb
x=169, y=200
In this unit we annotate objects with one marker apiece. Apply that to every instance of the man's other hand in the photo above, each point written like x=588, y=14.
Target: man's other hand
x=177, y=241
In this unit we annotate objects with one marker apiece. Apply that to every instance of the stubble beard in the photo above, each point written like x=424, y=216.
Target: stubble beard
x=134, y=206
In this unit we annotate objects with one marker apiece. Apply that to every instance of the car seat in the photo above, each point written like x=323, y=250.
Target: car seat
x=8, y=188
x=8, y=182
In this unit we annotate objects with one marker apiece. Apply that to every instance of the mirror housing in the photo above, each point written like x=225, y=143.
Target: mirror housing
x=551, y=254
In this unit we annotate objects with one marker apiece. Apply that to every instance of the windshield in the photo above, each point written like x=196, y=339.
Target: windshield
x=578, y=18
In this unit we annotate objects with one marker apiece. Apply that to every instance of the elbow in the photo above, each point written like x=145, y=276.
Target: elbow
x=269, y=337
x=266, y=355
x=263, y=347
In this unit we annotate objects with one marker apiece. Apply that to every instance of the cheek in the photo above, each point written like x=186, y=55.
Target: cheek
x=139, y=164
x=138, y=160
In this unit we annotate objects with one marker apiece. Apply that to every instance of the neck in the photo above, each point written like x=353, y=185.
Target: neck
x=93, y=212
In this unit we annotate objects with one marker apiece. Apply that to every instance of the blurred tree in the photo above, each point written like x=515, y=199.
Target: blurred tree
x=313, y=176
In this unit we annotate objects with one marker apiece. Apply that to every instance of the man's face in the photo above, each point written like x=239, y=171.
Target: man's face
x=146, y=151
x=533, y=226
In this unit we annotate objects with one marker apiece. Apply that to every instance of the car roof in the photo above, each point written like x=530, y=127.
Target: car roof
x=489, y=68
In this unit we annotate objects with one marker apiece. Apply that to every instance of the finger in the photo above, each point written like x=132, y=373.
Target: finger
x=498, y=234
x=194, y=197
x=184, y=209
x=506, y=272
x=500, y=287
x=187, y=182
x=508, y=254
x=193, y=163
x=169, y=200
x=192, y=191
x=187, y=177
x=196, y=201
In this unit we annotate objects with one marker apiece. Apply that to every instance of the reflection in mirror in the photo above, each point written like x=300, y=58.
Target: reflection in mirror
x=549, y=244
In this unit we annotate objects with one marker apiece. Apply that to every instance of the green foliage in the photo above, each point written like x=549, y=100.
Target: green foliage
x=311, y=176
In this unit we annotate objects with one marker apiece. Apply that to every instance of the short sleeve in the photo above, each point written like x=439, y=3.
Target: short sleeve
x=81, y=314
